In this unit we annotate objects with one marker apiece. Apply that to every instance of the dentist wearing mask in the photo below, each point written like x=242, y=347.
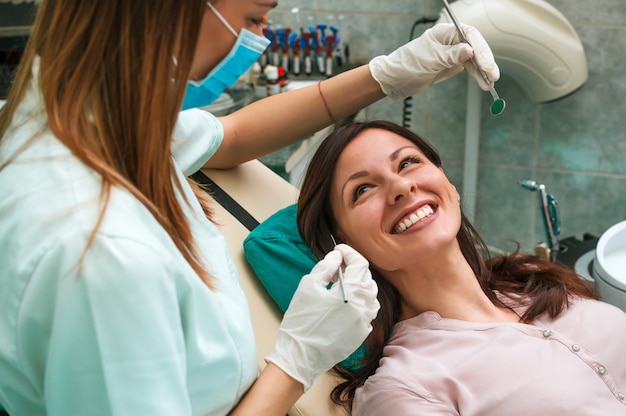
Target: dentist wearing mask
x=117, y=293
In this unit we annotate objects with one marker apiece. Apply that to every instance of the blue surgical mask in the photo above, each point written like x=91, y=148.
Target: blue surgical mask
x=244, y=53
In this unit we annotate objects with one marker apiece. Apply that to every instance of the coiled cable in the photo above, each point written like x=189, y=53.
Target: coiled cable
x=407, y=103
x=407, y=113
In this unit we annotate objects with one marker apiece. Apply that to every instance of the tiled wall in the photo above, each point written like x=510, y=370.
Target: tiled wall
x=575, y=146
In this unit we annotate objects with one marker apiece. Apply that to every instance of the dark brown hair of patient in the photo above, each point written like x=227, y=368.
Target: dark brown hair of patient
x=548, y=286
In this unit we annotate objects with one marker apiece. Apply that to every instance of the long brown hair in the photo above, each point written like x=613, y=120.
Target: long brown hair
x=112, y=92
x=547, y=285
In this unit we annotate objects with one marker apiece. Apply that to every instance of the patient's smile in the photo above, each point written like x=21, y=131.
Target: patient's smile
x=412, y=219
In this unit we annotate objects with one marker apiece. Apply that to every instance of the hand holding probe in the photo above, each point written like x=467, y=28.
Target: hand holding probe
x=498, y=104
x=340, y=272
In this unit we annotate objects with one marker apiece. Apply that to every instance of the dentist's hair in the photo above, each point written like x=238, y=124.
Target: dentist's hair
x=112, y=94
x=548, y=286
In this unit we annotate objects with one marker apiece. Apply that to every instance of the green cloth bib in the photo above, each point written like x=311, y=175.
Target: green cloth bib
x=279, y=258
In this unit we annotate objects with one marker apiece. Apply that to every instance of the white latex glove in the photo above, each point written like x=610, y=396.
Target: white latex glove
x=319, y=329
x=435, y=56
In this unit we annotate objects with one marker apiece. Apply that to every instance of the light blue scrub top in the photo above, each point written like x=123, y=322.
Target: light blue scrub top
x=134, y=331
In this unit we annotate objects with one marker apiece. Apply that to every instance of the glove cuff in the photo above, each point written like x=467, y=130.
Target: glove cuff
x=381, y=67
x=377, y=70
x=288, y=367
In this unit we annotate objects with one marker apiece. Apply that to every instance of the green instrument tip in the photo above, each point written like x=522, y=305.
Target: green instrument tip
x=497, y=107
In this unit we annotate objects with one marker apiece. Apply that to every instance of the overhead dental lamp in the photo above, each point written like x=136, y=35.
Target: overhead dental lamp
x=532, y=42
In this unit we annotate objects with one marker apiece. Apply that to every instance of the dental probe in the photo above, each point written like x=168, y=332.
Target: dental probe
x=498, y=104
x=343, y=288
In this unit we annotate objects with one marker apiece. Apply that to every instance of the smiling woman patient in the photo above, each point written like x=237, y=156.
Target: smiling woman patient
x=458, y=333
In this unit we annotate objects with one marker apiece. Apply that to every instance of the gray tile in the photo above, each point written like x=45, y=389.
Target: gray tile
x=511, y=137
x=504, y=210
x=609, y=12
x=454, y=172
x=447, y=114
x=386, y=109
x=376, y=6
x=587, y=131
x=599, y=12
x=587, y=203
x=577, y=11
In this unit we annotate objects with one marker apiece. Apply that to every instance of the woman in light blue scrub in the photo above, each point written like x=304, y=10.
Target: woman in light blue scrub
x=117, y=293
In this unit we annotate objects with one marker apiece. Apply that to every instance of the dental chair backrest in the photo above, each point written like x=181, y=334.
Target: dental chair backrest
x=261, y=193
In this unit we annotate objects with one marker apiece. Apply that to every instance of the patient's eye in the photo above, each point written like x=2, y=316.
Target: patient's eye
x=359, y=191
x=408, y=161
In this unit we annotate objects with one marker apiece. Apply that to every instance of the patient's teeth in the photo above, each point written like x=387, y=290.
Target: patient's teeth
x=414, y=218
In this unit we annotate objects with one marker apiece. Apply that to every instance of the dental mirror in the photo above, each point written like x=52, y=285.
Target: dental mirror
x=498, y=104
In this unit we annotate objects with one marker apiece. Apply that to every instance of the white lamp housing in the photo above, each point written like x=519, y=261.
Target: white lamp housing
x=533, y=43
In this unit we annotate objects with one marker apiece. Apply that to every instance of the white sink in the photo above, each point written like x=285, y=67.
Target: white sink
x=609, y=265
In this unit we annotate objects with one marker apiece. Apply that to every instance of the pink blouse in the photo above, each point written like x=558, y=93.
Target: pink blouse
x=572, y=365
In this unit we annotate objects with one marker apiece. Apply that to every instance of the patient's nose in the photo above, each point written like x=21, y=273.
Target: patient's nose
x=400, y=187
